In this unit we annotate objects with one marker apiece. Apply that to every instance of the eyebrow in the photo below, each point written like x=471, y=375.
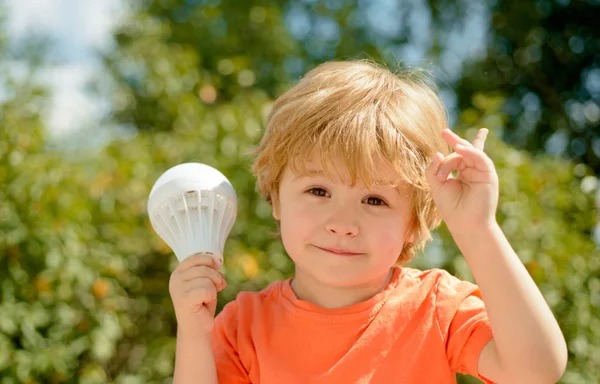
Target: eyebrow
x=318, y=172
x=311, y=172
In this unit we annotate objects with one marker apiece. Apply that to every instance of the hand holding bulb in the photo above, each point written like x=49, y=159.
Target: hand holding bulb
x=193, y=207
x=193, y=286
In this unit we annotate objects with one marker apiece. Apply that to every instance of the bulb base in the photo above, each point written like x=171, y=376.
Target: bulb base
x=217, y=257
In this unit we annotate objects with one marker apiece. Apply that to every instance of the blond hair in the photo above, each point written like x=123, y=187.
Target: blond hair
x=358, y=112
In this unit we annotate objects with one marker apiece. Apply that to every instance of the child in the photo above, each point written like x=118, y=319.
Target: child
x=356, y=164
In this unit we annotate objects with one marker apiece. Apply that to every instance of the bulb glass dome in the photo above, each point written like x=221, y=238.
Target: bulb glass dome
x=192, y=207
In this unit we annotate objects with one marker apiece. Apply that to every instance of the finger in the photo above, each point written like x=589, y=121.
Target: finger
x=475, y=158
x=453, y=139
x=200, y=271
x=479, y=140
x=204, y=293
x=434, y=166
x=195, y=260
x=451, y=163
x=178, y=286
x=473, y=175
x=432, y=170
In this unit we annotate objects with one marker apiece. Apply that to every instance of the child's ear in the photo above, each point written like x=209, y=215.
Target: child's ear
x=275, y=206
x=411, y=230
x=411, y=238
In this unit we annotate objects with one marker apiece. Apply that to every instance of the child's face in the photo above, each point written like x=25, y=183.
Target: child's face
x=320, y=216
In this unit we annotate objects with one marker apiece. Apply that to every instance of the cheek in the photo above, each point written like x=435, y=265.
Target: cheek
x=388, y=235
x=296, y=218
x=297, y=208
x=296, y=230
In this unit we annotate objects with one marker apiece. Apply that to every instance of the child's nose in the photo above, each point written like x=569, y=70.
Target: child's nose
x=343, y=230
x=341, y=224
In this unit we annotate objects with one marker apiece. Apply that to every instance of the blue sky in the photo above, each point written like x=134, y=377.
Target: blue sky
x=78, y=29
x=81, y=28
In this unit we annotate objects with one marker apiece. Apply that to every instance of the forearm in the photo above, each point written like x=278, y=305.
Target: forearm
x=526, y=334
x=194, y=361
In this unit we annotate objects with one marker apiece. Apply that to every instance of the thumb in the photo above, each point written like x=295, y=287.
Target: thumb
x=432, y=170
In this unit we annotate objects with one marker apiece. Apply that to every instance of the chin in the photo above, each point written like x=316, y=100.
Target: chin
x=342, y=276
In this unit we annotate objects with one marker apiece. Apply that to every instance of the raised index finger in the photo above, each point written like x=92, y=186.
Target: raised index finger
x=453, y=139
x=479, y=140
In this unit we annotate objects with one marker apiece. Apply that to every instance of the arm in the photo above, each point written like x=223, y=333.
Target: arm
x=528, y=345
x=193, y=287
x=194, y=360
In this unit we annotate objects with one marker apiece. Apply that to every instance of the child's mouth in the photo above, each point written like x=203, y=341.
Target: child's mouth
x=340, y=252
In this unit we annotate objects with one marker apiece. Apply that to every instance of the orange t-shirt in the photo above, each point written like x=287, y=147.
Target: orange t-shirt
x=422, y=328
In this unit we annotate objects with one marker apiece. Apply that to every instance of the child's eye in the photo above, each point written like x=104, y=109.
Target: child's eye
x=318, y=191
x=374, y=201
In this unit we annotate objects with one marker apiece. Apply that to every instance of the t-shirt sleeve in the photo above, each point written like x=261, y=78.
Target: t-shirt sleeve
x=463, y=322
x=230, y=369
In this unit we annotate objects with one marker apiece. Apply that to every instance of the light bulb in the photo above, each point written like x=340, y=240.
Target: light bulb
x=192, y=207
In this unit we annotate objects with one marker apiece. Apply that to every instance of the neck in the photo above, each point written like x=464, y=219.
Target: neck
x=325, y=296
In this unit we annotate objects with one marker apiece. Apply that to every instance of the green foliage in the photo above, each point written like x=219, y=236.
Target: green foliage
x=83, y=278
x=543, y=56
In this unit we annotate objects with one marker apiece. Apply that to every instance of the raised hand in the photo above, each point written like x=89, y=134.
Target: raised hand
x=468, y=201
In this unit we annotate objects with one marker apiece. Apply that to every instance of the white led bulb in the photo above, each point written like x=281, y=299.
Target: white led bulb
x=192, y=207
